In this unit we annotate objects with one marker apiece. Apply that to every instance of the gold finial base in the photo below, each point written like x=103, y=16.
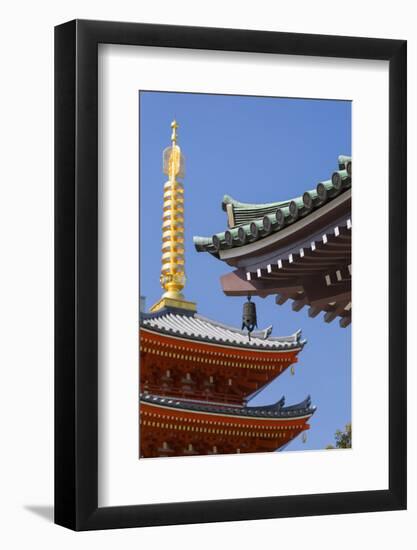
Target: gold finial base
x=179, y=303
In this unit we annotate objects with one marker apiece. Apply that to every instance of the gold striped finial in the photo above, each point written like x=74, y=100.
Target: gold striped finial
x=172, y=277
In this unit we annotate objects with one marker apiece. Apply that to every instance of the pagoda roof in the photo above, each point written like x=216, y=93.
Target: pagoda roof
x=276, y=410
x=250, y=223
x=192, y=326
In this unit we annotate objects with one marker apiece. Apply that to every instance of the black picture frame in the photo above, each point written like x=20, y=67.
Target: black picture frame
x=76, y=272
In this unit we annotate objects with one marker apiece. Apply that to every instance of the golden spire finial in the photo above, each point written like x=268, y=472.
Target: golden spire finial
x=174, y=126
x=173, y=259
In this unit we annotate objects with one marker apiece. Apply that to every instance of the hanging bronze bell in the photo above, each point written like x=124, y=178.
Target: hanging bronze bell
x=249, y=320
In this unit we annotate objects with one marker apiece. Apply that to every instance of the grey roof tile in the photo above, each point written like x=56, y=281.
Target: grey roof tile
x=197, y=327
x=276, y=410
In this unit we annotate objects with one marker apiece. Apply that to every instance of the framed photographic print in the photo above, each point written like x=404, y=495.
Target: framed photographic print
x=230, y=305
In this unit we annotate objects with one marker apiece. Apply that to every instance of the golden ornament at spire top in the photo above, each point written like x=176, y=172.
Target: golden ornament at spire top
x=174, y=126
x=173, y=259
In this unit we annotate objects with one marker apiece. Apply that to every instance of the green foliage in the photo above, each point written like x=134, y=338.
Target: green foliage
x=343, y=439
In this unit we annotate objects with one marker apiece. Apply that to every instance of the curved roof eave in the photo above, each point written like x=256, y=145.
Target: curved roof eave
x=253, y=225
x=275, y=411
x=201, y=329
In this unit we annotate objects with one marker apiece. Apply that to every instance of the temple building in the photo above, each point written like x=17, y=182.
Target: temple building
x=198, y=375
x=297, y=249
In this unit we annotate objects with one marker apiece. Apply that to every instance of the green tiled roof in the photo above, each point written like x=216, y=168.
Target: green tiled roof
x=251, y=222
x=244, y=212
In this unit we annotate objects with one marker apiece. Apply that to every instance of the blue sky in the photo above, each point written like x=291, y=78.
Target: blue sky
x=256, y=150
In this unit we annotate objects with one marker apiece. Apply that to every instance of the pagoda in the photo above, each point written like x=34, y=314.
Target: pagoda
x=197, y=375
x=297, y=249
